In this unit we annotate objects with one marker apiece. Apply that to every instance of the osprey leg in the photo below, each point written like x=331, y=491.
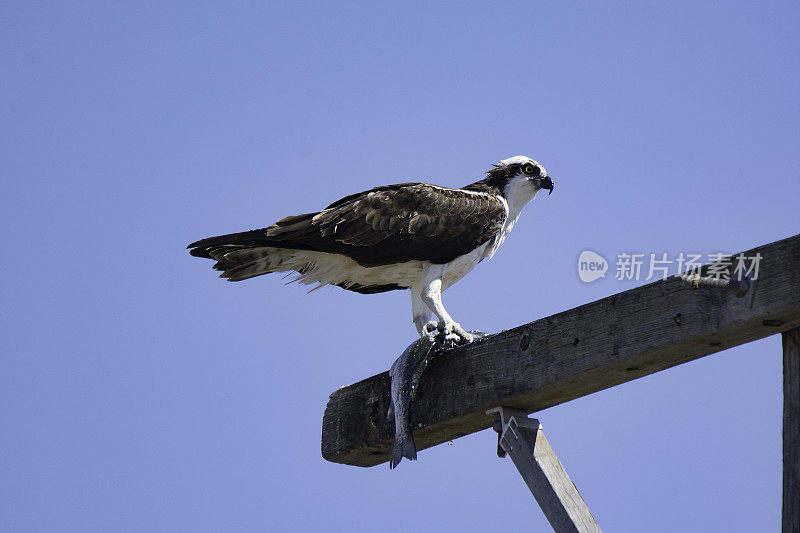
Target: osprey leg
x=420, y=312
x=432, y=297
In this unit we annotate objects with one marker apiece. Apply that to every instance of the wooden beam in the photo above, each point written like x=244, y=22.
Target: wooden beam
x=791, y=431
x=523, y=440
x=565, y=356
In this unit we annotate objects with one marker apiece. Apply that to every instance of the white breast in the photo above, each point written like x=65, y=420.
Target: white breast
x=461, y=266
x=518, y=193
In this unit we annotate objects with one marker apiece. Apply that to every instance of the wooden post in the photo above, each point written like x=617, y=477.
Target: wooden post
x=523, y=440
x=791, y=431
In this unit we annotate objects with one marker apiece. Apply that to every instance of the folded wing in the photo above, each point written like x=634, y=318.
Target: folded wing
x=390, y=224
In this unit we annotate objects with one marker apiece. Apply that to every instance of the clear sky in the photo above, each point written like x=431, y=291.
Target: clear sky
x=138, y=392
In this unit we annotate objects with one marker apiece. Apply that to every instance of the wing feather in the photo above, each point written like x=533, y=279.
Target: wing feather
x=394, y=223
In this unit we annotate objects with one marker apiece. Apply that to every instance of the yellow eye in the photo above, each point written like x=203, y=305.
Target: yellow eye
x=528, y=169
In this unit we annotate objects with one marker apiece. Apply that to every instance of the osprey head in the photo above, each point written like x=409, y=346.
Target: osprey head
x=523, y=175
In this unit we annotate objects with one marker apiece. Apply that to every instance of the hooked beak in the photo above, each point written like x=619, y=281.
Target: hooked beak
x=546, y=183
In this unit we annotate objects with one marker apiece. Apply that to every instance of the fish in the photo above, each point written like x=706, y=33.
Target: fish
x=405, y=375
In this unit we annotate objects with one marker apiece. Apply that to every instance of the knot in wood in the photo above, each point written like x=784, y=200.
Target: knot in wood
x=524, y=341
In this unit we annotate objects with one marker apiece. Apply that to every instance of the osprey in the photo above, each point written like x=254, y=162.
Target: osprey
x=413, y=236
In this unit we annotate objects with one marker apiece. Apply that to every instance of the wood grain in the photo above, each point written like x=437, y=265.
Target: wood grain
x=546, y=478
x=565, y=356
x=791, y=431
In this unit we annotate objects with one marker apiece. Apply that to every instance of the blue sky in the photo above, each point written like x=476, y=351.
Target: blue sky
x=140, y=393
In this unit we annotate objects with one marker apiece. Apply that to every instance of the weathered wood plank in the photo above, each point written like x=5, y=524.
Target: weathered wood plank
x=523, y=440
x=565, y=356
x=791, y=431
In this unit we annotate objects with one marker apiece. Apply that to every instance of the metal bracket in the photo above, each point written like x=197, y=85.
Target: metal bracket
x=523, y=440
x=503, y=418
x=743, y=289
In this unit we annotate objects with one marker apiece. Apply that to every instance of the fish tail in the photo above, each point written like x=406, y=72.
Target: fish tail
x=403, y=446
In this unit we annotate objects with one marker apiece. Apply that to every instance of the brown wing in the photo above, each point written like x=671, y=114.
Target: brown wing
x=389, y=224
